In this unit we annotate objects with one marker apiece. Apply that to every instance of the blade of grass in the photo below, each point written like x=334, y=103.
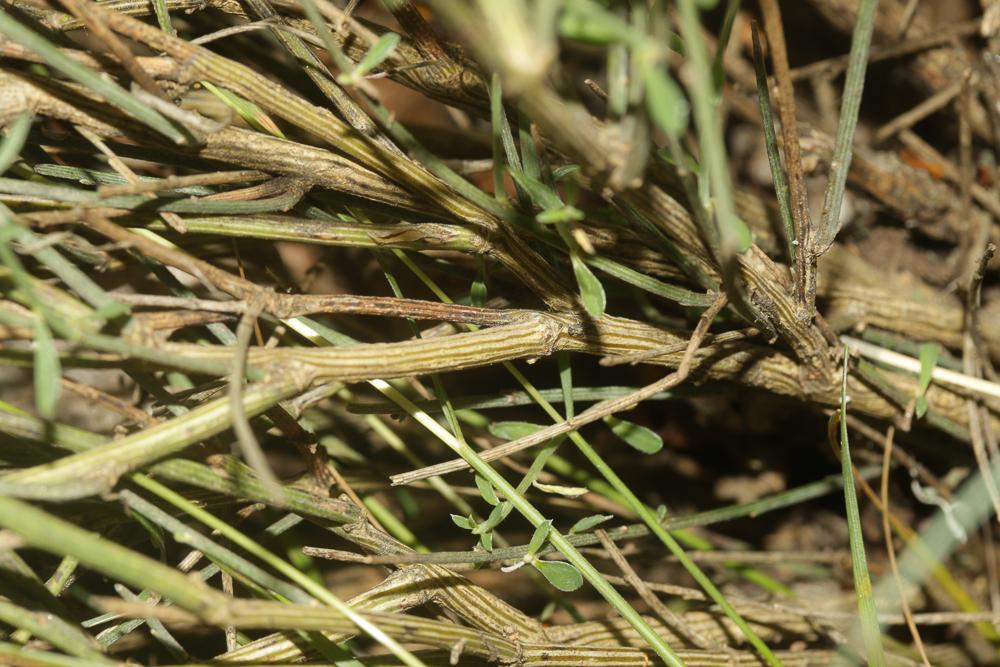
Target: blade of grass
x=844, y=147
x=733, y=234
x=163, y=16
x=718, y=68
x=55, y=630
x=862, y=580
x=771, y=143
x=315, y=589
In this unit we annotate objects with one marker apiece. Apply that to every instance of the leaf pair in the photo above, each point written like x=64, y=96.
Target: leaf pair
x=562, y=575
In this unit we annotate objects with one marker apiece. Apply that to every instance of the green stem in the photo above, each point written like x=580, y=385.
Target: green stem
x=314, y=589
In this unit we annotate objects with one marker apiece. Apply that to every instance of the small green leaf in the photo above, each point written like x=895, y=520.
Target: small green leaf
x=736, y=231
x=564, y=171
x=589, y=522
x=928, y=360
x=542, y=195
x=661, y=513
x=154, y=531
x=477, y=293
x=499, y=513
x=47, y=371
x=554, y=216
x=645, y=440
x=109, y=311
x=588, y=22
x=375, y=56
x=462, y=522
x=486, y=540
x=562, y=575
x=247, y=110
x=665, y=101
x=486, y=491
x=591, y=289
x=538, y=538
x=12, y=144
x=513, y=430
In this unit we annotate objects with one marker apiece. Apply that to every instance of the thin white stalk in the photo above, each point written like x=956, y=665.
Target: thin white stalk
x=911, y=365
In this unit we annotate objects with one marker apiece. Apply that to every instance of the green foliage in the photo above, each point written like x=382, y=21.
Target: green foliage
x=588, y=523
x=640, y=437
x=380, y=51
x=859, y=561
x=513, y=430
x=539, y=536
x=666, y=102
x=586, y=21
x=563, y=576
x=591, y=290
x=486, y=491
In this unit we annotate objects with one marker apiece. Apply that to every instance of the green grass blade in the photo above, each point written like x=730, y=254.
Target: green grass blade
x=295, y=575
x=12, y=144
x=844, y=147
x=859, y=563
x=771, y=143
x=733, y=234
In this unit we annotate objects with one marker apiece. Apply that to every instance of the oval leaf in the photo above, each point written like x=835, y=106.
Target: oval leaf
x=486, y=491
x=591, y=289
x=513, y=430
x=589, y=523
x=540, y=535
x=486, y=540
x=562, y=575
x=497, y=515
x=461, y=521
x=558, y=215
x=477, y=294
x=640, y=437
x=666, y=103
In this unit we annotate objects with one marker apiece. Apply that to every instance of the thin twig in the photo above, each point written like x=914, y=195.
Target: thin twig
x=670, y=618
x=909, y=118
x=804, y=279
x=891, y=550
x=249, y=445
